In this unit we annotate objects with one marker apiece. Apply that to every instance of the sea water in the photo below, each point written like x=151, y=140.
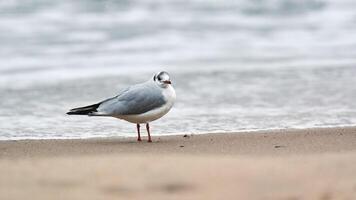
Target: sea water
x=236, y=65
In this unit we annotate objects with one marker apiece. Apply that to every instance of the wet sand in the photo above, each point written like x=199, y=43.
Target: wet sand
x=278, y=164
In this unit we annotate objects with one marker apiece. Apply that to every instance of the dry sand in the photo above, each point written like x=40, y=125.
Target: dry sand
x=281, y=164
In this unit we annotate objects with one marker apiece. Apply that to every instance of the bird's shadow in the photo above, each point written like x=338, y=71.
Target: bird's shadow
x=116, y=141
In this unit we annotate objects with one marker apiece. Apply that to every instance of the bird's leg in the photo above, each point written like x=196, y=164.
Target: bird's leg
x=138, y=133
x=148, y=132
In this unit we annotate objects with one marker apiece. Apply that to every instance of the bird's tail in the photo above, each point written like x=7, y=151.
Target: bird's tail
x=84, y=110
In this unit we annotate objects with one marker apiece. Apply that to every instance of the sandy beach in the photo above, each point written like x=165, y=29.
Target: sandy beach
x=278, y=164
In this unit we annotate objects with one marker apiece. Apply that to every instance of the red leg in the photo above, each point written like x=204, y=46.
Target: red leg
x=148, y=131
x=138, y=133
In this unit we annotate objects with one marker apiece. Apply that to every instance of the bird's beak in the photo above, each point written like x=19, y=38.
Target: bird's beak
x=167, y=82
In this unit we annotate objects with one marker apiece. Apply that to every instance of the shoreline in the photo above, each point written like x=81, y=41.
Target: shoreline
x=289, y=164
x=287, y=141
x=187, y=133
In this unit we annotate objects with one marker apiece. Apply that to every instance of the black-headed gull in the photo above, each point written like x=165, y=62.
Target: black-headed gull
x=139, y=104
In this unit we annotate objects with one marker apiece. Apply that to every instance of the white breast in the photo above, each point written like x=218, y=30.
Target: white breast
x=170, y=97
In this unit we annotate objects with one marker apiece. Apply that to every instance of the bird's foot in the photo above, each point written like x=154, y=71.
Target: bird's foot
x=149, y=140
x=139, y=140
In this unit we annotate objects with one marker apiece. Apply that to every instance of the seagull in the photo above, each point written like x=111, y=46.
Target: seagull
x=138, y=104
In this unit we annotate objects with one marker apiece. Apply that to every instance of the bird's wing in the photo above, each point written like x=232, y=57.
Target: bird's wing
x=136, y=99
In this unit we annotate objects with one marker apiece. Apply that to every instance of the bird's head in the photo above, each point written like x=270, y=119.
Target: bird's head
x=162, y=79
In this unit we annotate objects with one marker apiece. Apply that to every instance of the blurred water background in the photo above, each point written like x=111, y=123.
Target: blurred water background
x=236, y=64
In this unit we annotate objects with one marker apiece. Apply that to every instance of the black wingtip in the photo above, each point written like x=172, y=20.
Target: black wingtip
x=78, y=113
x=84, y=110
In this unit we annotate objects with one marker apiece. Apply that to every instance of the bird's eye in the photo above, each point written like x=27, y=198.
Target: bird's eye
x=159, y=78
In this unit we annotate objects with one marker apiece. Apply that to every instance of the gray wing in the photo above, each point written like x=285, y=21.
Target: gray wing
x=136, y=99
